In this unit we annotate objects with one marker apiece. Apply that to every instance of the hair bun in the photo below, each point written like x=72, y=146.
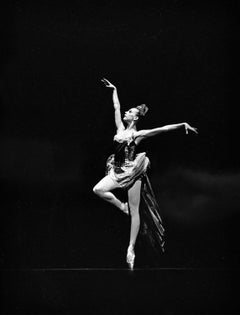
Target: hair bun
x=142, y=109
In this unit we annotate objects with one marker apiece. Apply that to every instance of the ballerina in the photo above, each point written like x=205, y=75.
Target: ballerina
x=127, y=169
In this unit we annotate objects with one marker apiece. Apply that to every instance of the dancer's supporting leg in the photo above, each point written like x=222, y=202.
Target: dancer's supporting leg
x=134, y=195
x=103, y=189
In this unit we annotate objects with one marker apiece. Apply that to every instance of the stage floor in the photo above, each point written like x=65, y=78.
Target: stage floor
x=119, y=291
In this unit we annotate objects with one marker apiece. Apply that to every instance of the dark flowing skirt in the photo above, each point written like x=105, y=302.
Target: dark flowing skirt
x=151, y=221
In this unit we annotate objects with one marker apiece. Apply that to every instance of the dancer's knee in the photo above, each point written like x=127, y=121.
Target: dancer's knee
x=97, y=190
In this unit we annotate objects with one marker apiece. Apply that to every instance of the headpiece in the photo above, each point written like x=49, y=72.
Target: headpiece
x=142, y=109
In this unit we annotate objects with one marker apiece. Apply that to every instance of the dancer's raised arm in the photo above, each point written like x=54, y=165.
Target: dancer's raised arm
x=155, y=131
x=116, y=104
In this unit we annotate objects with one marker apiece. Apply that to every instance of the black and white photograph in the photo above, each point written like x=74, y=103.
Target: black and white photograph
x=119, y=162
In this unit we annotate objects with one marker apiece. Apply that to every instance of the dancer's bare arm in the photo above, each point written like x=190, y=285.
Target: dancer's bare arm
x=116, y=104
x=152, y=132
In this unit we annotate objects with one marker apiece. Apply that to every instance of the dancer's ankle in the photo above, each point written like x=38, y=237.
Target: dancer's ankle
x=131, y=246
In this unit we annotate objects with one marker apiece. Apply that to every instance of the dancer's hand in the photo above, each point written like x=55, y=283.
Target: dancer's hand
x=108, y=84
x=188, y=127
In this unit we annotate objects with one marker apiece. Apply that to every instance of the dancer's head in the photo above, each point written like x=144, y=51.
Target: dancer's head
x=133, y=114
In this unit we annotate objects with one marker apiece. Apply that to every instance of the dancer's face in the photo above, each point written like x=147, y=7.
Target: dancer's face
x=131, y=114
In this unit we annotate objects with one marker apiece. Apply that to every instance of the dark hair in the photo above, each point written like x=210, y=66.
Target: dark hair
x=142, y=109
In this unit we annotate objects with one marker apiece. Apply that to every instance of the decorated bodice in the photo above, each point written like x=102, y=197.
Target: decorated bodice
x=124, y=148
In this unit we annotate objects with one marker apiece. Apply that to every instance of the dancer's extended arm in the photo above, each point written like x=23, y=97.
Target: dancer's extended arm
x=116, y=104
x=152, y=132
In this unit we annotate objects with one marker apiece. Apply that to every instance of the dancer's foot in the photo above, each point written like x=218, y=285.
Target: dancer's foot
x=130, y=256
x=124, y=208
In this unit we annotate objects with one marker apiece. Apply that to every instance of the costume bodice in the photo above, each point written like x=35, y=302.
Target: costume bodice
x=124, y=152
x=124, y=148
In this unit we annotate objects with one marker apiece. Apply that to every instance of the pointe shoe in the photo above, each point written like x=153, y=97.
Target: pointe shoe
x=130, y=257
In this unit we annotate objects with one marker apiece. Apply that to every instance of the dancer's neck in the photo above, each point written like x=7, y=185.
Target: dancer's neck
x=131, y=126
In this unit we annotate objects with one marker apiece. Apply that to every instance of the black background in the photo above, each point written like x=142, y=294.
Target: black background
x=57, y=126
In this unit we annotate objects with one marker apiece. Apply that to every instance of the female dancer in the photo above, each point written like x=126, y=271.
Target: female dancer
x=127, y=170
